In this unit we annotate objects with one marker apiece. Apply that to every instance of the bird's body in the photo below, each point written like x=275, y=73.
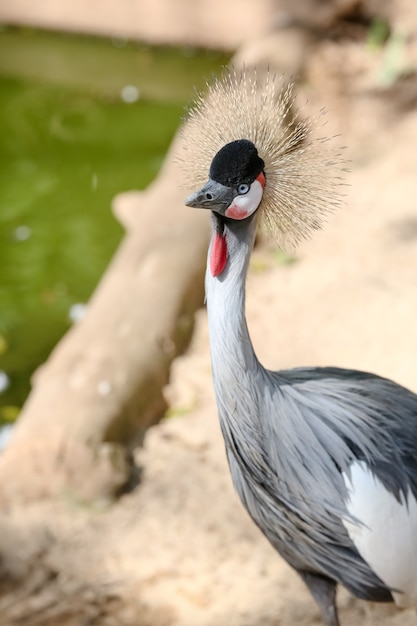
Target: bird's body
x=295, y=442
x=323, y=459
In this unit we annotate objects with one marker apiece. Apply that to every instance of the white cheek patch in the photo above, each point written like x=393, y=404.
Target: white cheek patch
x=386, y=532
x=245, y=205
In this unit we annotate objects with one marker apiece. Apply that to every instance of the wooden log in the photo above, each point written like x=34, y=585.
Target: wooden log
x=101, y=388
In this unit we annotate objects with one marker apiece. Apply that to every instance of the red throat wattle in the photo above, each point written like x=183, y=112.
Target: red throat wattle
x=218, y=256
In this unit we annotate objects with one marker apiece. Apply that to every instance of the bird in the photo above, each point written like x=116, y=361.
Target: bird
x=324, y=459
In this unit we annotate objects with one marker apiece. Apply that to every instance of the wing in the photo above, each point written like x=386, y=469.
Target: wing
x=364, y=426
x=374, y=416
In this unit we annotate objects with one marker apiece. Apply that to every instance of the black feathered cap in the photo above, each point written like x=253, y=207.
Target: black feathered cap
x=237, y=162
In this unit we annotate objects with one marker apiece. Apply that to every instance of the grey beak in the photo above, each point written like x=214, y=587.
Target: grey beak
x=213, y=195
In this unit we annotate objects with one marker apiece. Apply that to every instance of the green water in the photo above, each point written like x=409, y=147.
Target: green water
x=68, y=144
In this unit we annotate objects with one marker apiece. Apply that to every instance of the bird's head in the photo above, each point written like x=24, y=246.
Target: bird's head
x=236, y=182
x=261, y=158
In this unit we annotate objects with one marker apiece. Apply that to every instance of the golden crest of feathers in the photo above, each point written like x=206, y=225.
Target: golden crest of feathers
x=303, y=174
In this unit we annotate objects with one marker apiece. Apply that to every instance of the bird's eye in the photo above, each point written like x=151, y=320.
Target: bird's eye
x=242, y=189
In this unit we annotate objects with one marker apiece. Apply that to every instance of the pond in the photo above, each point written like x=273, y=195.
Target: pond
x=81, y=119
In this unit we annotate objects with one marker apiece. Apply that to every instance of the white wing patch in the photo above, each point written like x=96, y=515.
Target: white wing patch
x=386, y=532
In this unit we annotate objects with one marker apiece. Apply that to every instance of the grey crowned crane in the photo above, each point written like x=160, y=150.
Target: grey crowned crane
x=324, y=459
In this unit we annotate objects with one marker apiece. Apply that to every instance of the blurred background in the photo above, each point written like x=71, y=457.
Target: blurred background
x=90, y=97
x=82, y=118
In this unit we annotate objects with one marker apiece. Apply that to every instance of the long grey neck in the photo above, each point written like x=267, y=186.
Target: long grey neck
x=232, y=354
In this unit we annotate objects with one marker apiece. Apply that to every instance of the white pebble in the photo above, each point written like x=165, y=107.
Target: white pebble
x=4, y=381
x=104, y=387
x=130, y=93
x=77, y=312
x=22, y=233
x=5, y=434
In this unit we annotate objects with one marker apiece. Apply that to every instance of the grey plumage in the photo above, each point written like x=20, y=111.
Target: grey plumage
x=293, y=437
x=290, y=434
